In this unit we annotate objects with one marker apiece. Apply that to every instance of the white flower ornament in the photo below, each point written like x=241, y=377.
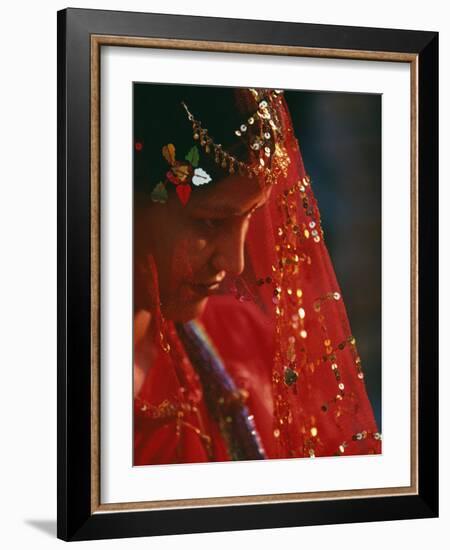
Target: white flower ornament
x=200, y=177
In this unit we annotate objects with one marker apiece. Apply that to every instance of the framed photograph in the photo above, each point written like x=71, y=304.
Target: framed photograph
x=247, y=274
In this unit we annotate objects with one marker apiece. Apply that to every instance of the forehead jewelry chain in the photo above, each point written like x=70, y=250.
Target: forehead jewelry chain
x=261, y=134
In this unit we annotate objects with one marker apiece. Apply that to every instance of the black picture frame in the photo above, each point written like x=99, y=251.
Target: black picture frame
x=79, y=516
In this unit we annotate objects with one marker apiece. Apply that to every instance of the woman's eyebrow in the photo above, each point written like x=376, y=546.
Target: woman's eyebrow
x=228, y=210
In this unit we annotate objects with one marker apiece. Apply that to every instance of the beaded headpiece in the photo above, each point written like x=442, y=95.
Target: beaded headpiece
x=261, y=135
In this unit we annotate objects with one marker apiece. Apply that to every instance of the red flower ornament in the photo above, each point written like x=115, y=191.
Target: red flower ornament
x=181, y=174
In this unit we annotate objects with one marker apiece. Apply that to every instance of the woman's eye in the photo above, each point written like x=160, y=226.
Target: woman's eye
x=210, y=223
x=214, y=224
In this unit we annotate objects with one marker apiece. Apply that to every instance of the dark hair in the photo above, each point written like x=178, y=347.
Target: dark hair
x=159, y=118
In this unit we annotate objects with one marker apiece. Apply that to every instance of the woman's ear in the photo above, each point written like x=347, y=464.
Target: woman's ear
x=142, y=320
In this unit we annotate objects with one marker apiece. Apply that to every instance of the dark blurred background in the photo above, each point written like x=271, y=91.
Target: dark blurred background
x=340, y=139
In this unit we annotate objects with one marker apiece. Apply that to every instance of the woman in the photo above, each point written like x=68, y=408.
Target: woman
x=242, y=344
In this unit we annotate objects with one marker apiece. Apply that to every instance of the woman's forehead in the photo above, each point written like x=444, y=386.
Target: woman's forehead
x=234, y=195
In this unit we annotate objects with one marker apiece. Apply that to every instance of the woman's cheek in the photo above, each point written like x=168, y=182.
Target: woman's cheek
x=191, y=253
x=199, y=245
x=197, y=253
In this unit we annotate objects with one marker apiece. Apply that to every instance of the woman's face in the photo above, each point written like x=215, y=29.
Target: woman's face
x=197, y=245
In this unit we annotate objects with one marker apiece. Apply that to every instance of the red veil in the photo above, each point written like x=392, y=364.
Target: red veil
x=271, y=369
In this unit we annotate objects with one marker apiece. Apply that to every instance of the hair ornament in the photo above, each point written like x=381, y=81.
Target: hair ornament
x=262, y=135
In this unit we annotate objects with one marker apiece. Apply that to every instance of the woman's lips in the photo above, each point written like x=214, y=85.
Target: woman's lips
x=208, y=288
x=204, y=290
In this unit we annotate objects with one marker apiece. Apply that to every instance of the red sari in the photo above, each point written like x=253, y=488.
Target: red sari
x=162, y=436
x=172, y=421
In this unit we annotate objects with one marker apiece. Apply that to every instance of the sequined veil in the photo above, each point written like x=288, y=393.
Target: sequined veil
x=270, y=369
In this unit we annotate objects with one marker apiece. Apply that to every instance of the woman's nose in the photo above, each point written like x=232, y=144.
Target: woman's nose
x=229, y=253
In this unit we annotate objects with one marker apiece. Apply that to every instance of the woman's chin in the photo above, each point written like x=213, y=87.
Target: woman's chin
x=182, y=313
